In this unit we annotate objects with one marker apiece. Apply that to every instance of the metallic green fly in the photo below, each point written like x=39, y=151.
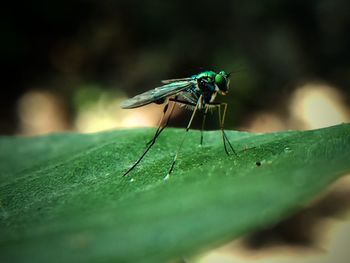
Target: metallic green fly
x=197, y=92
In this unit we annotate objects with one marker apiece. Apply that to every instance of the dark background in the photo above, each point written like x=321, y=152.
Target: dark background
x=77, y=50
x=128, y=46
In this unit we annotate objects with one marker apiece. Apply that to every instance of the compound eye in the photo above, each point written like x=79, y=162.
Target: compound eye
x=220, y=80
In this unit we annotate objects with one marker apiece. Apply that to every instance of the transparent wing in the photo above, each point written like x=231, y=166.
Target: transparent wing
x=157, y=94
x=166, y=81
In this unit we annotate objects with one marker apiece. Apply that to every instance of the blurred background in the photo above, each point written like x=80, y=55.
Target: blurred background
x=67, y=65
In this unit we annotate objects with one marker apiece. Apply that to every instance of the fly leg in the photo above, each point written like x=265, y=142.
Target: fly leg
x=192, y=105
x=183, y=140
x=160, y=127
x=225, y=140
x=203, y=124
x=151, y=143
x=222, y=121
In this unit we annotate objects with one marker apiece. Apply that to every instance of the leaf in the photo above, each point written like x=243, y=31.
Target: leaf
x=63, y=197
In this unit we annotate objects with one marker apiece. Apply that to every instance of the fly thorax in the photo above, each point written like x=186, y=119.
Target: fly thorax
x=207, y=90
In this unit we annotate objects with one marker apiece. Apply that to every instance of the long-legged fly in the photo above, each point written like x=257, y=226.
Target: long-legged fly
x=197, y=92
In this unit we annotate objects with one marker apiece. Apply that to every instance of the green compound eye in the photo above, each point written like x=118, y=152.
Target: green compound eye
x=221, y=81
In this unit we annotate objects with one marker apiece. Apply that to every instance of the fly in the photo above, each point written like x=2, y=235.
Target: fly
x=197, y=92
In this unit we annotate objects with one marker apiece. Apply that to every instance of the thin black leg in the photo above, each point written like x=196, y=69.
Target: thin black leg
x=183, y=140
x=160, y=127
x=223, y=130
x=203, y=124
x=151, y=143
x=226, y=141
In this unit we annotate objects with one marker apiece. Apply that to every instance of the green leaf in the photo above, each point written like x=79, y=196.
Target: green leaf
x=63, y=197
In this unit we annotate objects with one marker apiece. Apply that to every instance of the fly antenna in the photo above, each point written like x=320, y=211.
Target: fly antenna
x=237, y=70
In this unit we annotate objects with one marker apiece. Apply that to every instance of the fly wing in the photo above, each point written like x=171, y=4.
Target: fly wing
x=156, y=94
x=167, y=81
